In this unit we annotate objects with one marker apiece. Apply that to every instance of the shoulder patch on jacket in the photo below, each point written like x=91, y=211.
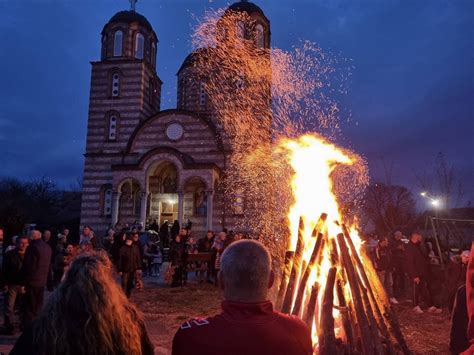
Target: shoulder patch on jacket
x=194, y=322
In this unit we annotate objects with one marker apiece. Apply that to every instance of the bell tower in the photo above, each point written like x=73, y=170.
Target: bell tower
x=125, y=88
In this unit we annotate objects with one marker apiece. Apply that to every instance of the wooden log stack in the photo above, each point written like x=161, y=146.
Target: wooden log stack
x=347, y=306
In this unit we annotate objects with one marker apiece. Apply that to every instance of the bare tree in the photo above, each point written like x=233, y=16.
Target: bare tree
x=442, y=180
x=389, y=208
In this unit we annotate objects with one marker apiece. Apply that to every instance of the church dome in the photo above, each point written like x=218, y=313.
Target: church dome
x=248, y=7
x=129, y=17
x=194, y=56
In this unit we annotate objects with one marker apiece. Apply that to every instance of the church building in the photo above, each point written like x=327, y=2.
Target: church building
x=144, y=164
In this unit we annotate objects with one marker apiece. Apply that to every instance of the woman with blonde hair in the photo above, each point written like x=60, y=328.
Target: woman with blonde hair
x=87, y=314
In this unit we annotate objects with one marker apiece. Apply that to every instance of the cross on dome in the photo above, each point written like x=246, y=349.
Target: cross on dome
x=132, y=4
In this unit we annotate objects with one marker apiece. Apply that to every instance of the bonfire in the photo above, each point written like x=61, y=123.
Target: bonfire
x=327, y=280
x=264, y=99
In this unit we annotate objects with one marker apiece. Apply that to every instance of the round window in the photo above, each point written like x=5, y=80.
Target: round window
x=174, y=131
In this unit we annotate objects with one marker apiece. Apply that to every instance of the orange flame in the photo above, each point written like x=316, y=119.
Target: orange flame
x=313, y=161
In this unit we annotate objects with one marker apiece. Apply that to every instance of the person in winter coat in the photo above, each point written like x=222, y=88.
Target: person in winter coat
x=384, y=266
x=205, y=246
x=175, y=229
x=35, y=270
x=87, y=315
x=178, y=260
x=397, y=247
x=12, y=265
x=220, y=243
x=247, y=324
x=165, y=235
x=456, y=270
x=458, y=341
x=109, y=240
x=119, y=241
x=88, y=236
x=418, y=268
x=130, y=262
x=62, y=261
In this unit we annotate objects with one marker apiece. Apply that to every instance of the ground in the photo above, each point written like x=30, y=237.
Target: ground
x=166, y=308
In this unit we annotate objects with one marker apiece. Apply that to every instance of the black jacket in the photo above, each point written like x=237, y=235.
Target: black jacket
x=178, y=253
x=398, y=252
x=205, y=245
x=458, y=341
x=383, y=258
x=130, y=259
x=37, y=263
x=12, y=264
x=416, y=262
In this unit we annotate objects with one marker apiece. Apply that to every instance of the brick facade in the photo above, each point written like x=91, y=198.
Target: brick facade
x=143, y=164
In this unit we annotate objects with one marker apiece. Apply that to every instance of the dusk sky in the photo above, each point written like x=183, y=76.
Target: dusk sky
x=411, y=94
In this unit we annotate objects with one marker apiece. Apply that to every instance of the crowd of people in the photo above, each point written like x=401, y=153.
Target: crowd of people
x=87, y=312
x=410, y=268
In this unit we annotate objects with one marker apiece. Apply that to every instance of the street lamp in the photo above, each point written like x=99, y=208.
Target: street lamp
x=435, y=202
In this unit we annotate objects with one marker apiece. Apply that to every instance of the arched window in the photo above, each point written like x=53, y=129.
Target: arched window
x=104, y=47
x=183, y=94
x=153, y=53
x=107, y=201
x=153, y=90
x=139, y=45
x=136, y=202
x=202, y=95
x=113, y=127
x=118, y=40
x=240, y=30
x=115, y=84
x=259, y=36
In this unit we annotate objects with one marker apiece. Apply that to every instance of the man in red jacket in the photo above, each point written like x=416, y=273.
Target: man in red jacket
x=248, y=324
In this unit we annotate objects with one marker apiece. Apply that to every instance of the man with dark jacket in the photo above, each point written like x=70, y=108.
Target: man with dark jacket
x=384, y=266
x=205, y=246
x=178, y=260
x=130, y=262
x=12, y=264
x=397, y=247
x=418, y=268
x=35, y=271
x=247, y=324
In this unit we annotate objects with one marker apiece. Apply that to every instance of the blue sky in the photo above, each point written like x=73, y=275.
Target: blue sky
x=410, y=95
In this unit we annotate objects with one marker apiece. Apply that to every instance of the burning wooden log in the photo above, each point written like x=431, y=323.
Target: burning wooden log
x=388, y=314
x=318, y=246
x=363, y=323
x=345, y=317
x=378, y=349
x=284, y=277
x=310, y=309
x=295, y=269
x=327, y=338
x=395, y=329
x=365, y=316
